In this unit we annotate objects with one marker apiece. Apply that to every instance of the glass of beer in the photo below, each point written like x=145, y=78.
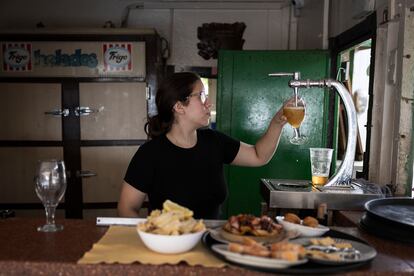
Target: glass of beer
x=320, y=165
x=294, y=111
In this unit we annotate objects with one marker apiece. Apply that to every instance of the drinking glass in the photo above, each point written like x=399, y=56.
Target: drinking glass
x=294, y=111
x=50, y=186
x=321, y=159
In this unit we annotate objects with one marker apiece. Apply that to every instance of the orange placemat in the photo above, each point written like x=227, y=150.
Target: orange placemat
x=121, y=244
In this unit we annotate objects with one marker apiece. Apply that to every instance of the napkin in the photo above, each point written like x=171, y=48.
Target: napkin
x=121, y=244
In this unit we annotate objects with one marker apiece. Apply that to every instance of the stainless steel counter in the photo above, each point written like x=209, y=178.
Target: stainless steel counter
x=298, y=194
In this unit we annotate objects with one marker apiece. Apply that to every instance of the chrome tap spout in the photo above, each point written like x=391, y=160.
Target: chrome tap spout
x=343, y=176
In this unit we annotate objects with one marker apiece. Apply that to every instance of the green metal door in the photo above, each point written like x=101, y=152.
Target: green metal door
x=247, y=99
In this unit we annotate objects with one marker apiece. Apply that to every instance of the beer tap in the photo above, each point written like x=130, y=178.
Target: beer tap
x=295, y=75
x=343, y=176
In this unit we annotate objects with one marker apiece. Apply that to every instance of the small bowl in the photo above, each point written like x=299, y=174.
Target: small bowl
x=304, y=231
x=167, y=244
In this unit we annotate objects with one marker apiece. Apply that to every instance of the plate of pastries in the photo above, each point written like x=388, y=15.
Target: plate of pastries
x=306, y=227
x=259, y=229
x=280, y=254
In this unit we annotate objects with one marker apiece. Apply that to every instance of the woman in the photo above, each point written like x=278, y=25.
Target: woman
x=184, y=162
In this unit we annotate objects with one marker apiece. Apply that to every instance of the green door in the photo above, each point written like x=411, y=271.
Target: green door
x=247, y=99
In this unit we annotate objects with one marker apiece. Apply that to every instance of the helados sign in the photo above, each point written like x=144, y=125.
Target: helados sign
x=19, y=57
x=67, y=60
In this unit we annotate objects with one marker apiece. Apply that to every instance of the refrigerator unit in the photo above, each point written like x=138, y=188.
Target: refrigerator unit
x=82, y=96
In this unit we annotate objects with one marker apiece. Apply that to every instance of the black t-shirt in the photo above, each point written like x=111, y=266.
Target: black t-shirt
x=190, y=177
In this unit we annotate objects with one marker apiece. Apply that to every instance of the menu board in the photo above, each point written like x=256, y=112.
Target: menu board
x=72, y=59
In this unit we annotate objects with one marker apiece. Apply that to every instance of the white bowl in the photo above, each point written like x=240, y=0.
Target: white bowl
x=304, y=231
x=170, y=244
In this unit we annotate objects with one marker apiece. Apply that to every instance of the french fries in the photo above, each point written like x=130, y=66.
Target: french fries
x=172, y=220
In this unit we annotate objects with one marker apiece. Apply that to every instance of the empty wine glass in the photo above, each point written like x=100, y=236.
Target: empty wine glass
x=50, y=186
x=294, y=111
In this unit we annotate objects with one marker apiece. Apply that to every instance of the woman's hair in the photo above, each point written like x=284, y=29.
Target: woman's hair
x=174, y=88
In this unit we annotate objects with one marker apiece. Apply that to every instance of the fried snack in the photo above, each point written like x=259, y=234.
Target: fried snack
x=324, y=241
x=172, y=220
x=282, y=250
x=343, y=245
x=290, y=217
x=287, y=251
x=249, y=247
x=170, y=206
x=250, y=225
x=328, y=241
x=287, y=246
x=291, y=256
x=310, y=221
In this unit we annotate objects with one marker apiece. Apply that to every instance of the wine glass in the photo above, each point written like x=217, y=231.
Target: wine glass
x=294, y=111
x=50, y=186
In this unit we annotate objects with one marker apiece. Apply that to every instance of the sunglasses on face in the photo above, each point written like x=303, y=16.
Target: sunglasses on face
x=202, y=95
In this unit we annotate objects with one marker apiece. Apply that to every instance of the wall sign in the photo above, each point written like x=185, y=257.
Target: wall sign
x=61, y=58
x=72, y=59
x=17, y=57
x=117, y=57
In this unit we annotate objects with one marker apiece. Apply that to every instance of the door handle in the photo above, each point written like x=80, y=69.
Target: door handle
x=58, y=112
x=85, y=173
x=85, y=111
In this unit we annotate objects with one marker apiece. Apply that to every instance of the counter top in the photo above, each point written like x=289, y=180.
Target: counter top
x=24, y=251
x=299, y=194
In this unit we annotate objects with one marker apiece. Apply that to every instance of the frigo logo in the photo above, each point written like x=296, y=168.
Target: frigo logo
x=17, y=56
x=117, y=56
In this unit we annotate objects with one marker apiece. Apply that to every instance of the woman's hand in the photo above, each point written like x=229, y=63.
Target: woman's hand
x=280, y=119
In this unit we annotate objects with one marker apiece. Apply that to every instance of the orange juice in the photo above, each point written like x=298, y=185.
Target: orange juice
x=294, y=115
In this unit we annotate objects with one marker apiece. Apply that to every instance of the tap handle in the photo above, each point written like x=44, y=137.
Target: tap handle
x=295, y=75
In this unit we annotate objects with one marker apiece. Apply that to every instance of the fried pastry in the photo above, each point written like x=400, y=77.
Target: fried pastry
x=343, y=245
x=291, y=256
x=282, y=250
x=290, y=217
x=244, y=224
x=327, y=241
x=310, y=221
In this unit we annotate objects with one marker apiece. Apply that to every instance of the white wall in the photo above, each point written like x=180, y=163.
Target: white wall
x=343, y=13
x=270, y=25
x=265, y=29
x=59, y=13
x=310, y=25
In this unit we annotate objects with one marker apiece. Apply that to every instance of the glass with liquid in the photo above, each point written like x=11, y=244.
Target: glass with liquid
x=320, y=165
x=294, y=111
